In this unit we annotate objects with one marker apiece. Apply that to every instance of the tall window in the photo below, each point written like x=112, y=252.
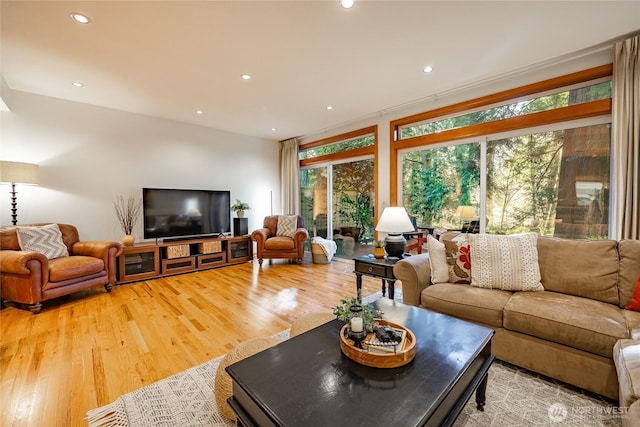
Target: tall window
x=555, y=183
x=540, y=162
x=437, y=181
x=337, y=188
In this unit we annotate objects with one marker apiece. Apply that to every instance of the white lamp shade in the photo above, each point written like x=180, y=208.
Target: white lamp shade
x=394, y=219
x=18, y=173
x=466, y=213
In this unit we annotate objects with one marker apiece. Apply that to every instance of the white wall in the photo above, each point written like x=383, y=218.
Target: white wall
x=89, y=155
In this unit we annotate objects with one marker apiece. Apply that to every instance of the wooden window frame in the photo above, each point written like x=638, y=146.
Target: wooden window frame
x=572, y=112
x=347, y=154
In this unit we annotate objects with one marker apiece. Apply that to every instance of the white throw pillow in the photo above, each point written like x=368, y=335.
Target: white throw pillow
x=46, y=239
x=437, y=260
x=287, y=225
x=504, y=262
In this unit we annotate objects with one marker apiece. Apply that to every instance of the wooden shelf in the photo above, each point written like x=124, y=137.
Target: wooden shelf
x=151, y=260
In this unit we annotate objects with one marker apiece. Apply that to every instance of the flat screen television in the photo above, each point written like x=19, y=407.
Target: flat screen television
x=175, y=213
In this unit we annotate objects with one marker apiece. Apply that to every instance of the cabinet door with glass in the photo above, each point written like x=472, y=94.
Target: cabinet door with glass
x=138, y=262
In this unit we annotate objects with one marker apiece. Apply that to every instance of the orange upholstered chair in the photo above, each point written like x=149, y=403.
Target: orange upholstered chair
x=282, y=236
x=55, y=263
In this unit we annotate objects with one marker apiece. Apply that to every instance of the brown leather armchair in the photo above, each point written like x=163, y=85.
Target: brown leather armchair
x=30, y=278
x=270, y=245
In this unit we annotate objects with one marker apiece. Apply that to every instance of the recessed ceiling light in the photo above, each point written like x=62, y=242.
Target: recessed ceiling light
x=428, y=69
x=199, y=112
x=347, y=4
x=77, y=84
x=273, y=129
x=245, y=76
x=329, y=107
x=78, y=17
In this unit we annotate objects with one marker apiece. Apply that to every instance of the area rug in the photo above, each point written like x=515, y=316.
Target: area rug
x=184, y=399
x=515, y=397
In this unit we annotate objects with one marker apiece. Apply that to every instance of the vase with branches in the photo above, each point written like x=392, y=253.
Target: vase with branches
x=127, y=212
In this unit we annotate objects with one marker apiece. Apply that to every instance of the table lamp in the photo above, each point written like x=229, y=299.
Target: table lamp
x=395, y=221
x=466, y=214
x=17, y=173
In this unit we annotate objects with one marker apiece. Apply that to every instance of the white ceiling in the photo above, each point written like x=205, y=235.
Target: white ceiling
x=170, y=58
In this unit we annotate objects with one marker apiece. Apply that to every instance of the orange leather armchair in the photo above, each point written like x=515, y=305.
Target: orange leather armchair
x=270, y=245
x=30, y=278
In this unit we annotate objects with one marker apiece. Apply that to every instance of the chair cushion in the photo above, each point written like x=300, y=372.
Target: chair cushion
x=72, y=267
x=46, y=239
x=465, y=302
x=279, y=243
x=578, y=322
x=505, y=262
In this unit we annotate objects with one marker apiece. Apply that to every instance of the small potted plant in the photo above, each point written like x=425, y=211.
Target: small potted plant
x=343, y=312
x=239, y=207
x=378, y=248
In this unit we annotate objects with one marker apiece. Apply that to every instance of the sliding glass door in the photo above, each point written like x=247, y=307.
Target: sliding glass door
x=337, y=204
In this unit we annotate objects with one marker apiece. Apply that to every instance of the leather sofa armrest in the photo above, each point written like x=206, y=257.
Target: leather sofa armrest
x=106, y=251
x=96, y=248
x=301, y=235
x=260, y=235
x=17, y=262
x=414, y=273
x=23, y=274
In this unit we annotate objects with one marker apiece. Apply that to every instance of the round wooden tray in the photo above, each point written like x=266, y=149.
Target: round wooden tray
x=371, y=356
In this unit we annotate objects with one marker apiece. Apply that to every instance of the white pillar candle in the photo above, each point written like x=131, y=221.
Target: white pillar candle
x=356, y=324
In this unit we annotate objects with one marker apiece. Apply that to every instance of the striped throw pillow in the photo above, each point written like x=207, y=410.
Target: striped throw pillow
x=287, y=225
x=45, y=239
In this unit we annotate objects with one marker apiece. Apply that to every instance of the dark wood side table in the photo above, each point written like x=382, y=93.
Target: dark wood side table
x=381, y=268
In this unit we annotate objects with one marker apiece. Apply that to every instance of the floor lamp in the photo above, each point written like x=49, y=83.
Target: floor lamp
x=17, y=173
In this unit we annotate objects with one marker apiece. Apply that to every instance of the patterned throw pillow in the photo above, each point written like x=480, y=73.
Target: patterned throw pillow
x=46, y=239
x=458, y=259
x=503, y=262
x=287, y=225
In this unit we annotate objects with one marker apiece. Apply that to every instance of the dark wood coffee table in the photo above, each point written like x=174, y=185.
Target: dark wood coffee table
x=307, y=380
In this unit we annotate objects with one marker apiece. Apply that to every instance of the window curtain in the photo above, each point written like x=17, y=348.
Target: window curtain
x=626, y=139
x=289, y=177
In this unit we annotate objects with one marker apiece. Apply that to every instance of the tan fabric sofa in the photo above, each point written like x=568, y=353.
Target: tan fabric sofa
x=568, y=331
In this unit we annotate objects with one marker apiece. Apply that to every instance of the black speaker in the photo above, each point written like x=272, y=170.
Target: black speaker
x=240, y=226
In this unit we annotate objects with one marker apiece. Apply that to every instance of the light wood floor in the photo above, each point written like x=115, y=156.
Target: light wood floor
x=85, y=350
